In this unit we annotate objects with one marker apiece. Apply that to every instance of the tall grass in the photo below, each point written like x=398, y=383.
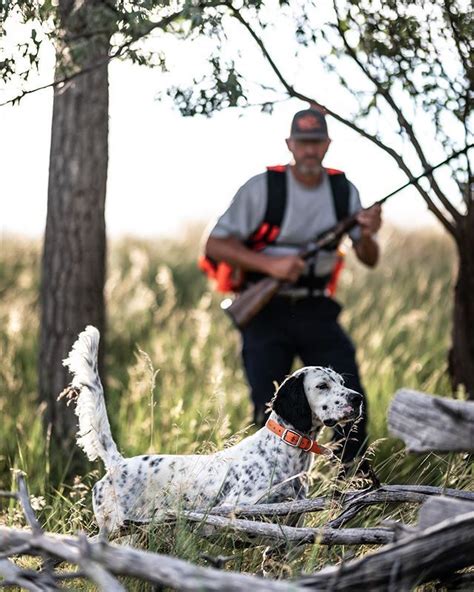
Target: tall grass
x=175, y=382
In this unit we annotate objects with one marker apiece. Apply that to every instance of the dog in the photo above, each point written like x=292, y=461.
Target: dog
x=268, y=465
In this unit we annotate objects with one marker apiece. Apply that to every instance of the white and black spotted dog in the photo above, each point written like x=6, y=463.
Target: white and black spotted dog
x=265, y=466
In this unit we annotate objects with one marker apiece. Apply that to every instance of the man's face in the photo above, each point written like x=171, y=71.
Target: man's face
x=308, y=155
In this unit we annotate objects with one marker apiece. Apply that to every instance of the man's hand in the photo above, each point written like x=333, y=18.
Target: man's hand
x=370, y=220
x=232, y=250
x=287, y=268
x=366, y=248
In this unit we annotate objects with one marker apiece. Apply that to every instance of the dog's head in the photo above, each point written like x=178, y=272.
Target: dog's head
x=315, y=396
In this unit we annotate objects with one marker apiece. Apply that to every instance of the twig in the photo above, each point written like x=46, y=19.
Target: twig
x=26, y=505
x=8, y=494
x=70, y=575
x=21, y=550
x=27, y=579
x=219, y=561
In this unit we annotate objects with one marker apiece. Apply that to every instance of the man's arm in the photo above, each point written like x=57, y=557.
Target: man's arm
x=367, y=248
x=233, y=251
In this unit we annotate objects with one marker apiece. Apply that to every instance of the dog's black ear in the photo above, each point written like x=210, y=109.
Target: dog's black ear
x=291, y=404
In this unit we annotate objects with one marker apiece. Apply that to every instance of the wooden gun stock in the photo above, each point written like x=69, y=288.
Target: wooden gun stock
x=252, y=300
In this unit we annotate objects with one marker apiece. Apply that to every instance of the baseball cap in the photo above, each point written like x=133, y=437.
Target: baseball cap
x=309, y=124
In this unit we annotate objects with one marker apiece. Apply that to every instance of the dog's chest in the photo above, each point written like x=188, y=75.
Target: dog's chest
x=261, y=468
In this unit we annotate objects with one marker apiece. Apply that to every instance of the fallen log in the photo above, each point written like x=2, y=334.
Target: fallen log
x=425, y=556
x=435, y=510
x=425, y=422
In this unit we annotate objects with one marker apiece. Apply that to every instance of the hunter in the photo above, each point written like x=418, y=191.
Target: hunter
x=271, y=218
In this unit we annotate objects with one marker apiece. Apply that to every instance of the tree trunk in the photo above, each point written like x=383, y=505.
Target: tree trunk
x=461, y=356
x=73, y=265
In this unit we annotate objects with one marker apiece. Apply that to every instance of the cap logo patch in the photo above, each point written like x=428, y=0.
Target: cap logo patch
x=308, y=122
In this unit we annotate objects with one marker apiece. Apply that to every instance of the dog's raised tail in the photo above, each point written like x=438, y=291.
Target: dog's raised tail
x=94, y=435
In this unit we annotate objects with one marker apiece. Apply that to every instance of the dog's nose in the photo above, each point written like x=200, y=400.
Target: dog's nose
x=355, y=399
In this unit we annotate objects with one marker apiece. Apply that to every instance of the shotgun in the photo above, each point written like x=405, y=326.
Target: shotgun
x=254, y=298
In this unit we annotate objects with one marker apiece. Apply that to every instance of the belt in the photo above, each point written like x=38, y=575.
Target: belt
x=299, y=293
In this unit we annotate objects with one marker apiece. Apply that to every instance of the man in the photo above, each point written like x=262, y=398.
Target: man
x=301, y=320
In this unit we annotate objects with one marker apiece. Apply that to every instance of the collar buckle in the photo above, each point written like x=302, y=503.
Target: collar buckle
x=294, y=444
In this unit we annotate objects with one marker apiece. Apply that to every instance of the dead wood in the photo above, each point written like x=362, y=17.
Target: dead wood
x=435, y=510
x=150, y=567
x=291, y=534
x=437, y=550
x=27, y=579
x=425, y=422
x=350, y=503
x=424, y=556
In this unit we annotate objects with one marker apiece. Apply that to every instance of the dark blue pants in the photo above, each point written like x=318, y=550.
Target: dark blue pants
x=307, y=328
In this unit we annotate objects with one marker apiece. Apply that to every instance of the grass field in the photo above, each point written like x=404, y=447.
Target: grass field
x=175, y=384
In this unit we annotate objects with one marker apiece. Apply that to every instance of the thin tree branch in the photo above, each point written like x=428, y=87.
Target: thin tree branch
x=95, y=571
x=26, y=579
x=448, y=225
x=162, y=24
x=404, y=124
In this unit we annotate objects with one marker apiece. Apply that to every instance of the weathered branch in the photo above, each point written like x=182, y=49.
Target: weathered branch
x=411, y=494
x=102, y=562
x=27, y=579
x=95, y=571
x=427, y=423
x=24, y=499
x=150, y=567
x=290, y=534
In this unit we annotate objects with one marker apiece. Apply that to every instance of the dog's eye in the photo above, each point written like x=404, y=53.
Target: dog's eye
x=325, y=407
x=322, y=386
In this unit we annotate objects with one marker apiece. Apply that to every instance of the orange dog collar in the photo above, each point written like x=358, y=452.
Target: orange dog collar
x=295, y=439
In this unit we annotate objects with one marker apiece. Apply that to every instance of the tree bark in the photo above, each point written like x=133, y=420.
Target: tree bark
x=427, y=423
x=461, y=356
x=73, y=264
x=437, y=509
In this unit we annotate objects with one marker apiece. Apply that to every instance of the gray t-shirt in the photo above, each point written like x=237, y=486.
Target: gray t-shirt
x=308, y=212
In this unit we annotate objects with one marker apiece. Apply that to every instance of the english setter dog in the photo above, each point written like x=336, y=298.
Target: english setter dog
x=265, y=466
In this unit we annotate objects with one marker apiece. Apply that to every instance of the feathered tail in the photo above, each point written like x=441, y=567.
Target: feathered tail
x=94, y=435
